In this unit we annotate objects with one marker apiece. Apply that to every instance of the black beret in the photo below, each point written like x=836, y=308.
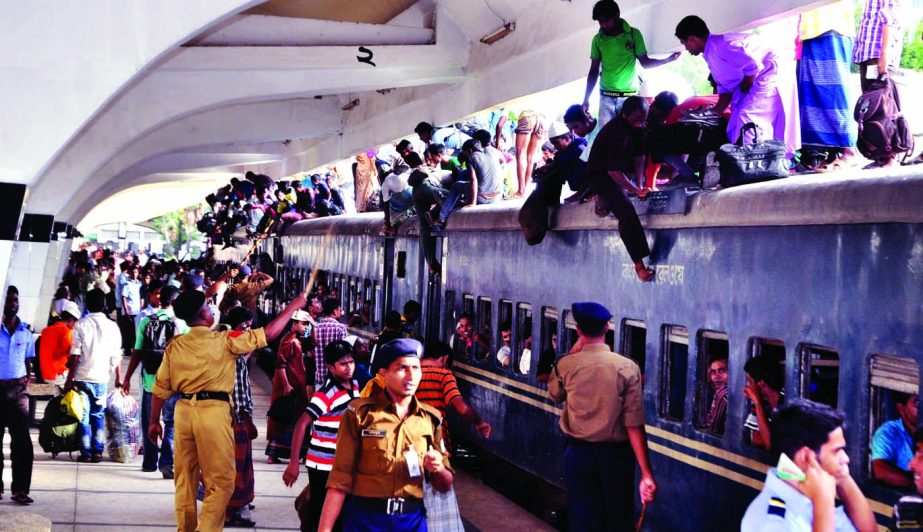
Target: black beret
x=187, y=304
x=395, y=349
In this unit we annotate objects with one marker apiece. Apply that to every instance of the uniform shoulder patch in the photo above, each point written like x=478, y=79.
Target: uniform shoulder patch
x=776, y=507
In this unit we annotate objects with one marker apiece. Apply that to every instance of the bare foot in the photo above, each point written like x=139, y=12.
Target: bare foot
x=645, y=274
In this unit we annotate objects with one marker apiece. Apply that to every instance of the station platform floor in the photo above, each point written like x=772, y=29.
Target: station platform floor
x=113, y=496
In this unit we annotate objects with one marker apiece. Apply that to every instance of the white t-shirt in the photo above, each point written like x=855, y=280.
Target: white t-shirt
x=394, y=184
x=98, y=343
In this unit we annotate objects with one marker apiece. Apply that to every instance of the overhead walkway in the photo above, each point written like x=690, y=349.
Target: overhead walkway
x=113, y=496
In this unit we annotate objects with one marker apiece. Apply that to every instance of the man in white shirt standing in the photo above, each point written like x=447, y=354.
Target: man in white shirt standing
x=95, y=353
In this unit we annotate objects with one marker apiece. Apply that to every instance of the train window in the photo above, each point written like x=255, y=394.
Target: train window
x=523, y=338
x=675, y=351
x=482, y=328
x=504, y=347
x=711, y=381
x=449, y=316
x=895, y=384
x=765, y=371
x=401, y=264
x=377, y=305
x=820, y=373
x=549, y=336
x=468, y=304
x=355, y=302
x=570, y=332
x=634, y=341
x=368, y=295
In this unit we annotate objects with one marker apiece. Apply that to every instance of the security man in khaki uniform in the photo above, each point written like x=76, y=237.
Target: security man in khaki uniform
x=386, y=445
x=200, y=366
x=603, y=421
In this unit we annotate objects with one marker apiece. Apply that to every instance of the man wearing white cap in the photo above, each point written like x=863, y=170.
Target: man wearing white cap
x=56, y=343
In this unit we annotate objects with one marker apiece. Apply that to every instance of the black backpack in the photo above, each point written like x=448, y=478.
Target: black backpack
x=159, y=331
x=58, y=430
x=883, y=130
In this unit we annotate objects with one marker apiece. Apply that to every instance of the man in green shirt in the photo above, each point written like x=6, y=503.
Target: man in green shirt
x=617, y=48
x=155, y=457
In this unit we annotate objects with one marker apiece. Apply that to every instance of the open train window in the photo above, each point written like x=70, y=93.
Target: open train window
x=711, y=381
x=634, y=341
x=674, y=365
x=368, y=296
x=353, y=298
x=449, y=317
x=523, y=338
x=549, y=337
x=503, y=357
x=570, y=332
x=819, y=375
x=482, y=330
x=401, y=269
x=768, y=384
x=468, y=304
x=377, y=306
x=894, y=389
x=459, y=348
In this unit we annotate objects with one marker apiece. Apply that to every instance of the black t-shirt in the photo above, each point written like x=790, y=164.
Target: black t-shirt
x=614, y=148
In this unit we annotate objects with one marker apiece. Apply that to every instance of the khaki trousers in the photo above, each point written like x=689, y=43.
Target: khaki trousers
x=204, y=441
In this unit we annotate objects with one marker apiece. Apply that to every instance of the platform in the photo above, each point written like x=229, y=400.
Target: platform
x=113, y=496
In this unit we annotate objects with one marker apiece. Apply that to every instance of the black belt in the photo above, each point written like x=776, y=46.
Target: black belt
x=202, y=396
x=617, y=94
x=392, y=506
x=570, y=440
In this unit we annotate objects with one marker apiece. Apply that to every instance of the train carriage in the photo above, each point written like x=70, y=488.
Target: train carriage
x=823, y=272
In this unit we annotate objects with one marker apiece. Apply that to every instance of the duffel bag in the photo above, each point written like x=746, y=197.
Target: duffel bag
x=760, y=160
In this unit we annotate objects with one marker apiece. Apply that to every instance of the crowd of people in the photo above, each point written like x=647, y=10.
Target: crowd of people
x=796, y=91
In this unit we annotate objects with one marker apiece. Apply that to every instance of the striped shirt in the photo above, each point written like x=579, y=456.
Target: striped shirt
x=437, y=388
x=868, y=41
x=326, y=331
x=326, y=408
x=243, y=400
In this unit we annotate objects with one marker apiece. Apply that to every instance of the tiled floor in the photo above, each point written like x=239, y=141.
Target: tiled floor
x=113, y=496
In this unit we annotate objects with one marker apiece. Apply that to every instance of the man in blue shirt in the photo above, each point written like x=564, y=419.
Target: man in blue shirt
x=892, y=448
x=16, y=346
x=803, y=497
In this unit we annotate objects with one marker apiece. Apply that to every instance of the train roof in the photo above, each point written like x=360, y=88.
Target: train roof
x=886, y=195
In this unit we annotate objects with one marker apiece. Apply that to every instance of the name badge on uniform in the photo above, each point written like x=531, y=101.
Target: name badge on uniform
x=413, y=463
x=371, y=433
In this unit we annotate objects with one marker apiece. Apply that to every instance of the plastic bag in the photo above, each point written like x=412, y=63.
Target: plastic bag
x=123, y=422
x=72, y=404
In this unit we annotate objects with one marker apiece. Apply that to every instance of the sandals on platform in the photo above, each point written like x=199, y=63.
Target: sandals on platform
x=22, y=499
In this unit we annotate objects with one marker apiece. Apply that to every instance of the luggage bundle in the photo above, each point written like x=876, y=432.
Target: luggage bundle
x=124, y=427
x=760, y=160
x=58, y=430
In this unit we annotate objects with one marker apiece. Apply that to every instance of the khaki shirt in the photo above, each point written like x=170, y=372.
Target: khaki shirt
x=204, y=361
x=371, y=445
x=602, y=391
x=246, y=292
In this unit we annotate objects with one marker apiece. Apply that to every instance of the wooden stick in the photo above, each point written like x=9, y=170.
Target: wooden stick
x=321, y=254
x=640, y=524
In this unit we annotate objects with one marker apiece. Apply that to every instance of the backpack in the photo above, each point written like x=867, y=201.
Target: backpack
x=883, y=130
x=154, y=340
x=58, y=431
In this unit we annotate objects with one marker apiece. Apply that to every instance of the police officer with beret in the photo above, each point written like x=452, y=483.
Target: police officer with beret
x=603, y=420
x=387, y=444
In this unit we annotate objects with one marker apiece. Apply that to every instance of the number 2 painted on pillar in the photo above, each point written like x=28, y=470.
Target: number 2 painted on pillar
x=367, y=58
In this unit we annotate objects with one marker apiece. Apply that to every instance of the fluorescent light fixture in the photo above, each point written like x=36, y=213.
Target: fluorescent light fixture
x=499, y=33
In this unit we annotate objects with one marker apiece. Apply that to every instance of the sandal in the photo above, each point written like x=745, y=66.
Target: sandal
x=237, y=521
x=21, y=498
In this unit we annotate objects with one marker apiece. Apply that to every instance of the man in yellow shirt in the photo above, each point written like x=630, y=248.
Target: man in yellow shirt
x=200, y=366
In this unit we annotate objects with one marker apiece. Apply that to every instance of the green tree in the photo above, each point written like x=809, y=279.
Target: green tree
x=178, y=228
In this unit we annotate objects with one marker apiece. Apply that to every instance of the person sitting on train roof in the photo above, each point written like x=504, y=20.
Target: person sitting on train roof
x=891, y=445
x=811, y=435
x=466, y=343
x=566, y=166
x=718, y=379
x=504, y=354
x=603, y=420
x=615, y=53
x=765, y=381
x=750, y=80
x=483, y=136
x=397, y=196
x=614, y=168
x=437, y=156
x=480, y=184
x=908, y=510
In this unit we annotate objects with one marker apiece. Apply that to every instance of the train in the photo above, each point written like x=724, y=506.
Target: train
x=824, y=271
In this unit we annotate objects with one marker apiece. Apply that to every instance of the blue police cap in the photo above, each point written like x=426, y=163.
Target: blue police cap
x=395, y=349
x=590, y=311
x=245, y=270
x=187, y=304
